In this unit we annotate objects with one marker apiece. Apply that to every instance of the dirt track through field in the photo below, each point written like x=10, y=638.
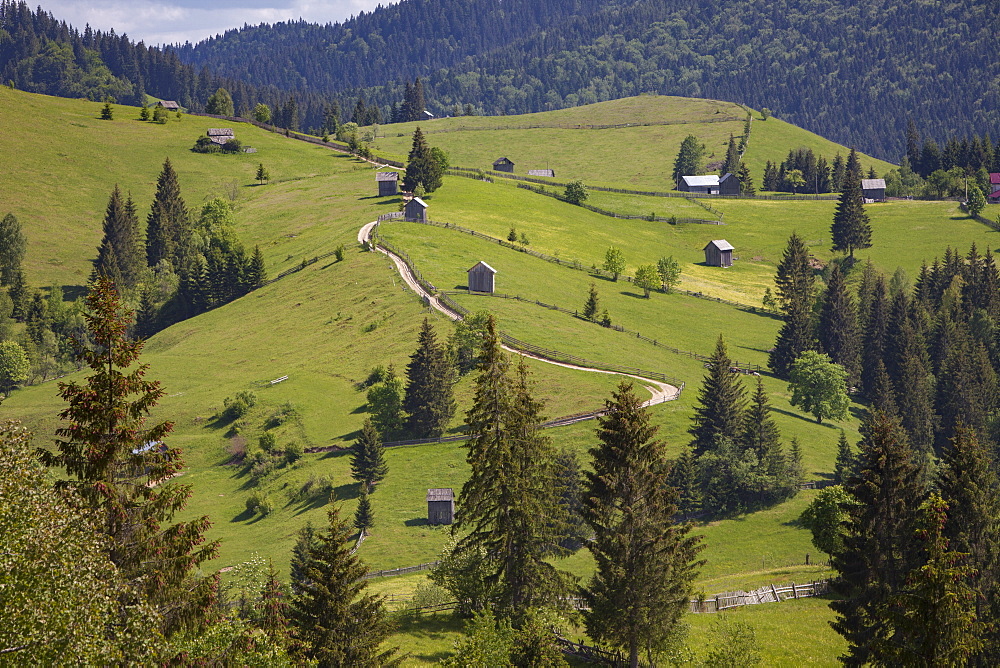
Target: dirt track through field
x=660, y=391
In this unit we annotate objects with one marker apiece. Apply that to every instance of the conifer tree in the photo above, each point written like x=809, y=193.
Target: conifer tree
x=13, y=245
x=305, y=543
x=113, y=461
x=688, y=162
x=732, y=163
x=934, y=617
x=338, y=624
x=969, y=485
x=569, y=487
x=256, y=274
x=19, y=295
x=880, y=541
x=966, y=388
x=851, y=228
x=794, y=282
x=429, y=400
x=760, y=433
x=914, y=391
x=168, y=227
x=721, y=403
x=746, y=181
x=844, y=466
x=684, y=478
x=421, y=167
x=591, y=308
x=364, y=516
x=883, y=396
x=876, y=331
x=368, y=465
x=119, y=256
x=508, y=506
x=837, y=332
x=646, y=563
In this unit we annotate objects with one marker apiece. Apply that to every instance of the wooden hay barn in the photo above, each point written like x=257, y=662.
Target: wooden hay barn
x=169, y=105
x=440, y=506
x=729, y=184
x=706, y=184
x=503, y=165
x=387, y=183
x=415, y=211
x=873, y=190
x=481, y=277
x=719, y=253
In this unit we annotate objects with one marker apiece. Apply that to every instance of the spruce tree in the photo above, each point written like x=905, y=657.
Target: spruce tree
x=688, y=162
x=119, y=253
x=732, y=163
x=851, y=228
x=338, y=624
x=684, y=478
x=256, y=274
x=120, y=467
x=837, y=332
x=168, y=227
x=914, y=390
x=880, y=545
x=721, y=403
x=969, y=485
x=368, y=465
x=569, y=488
x=966, y=388
x=760, y=433
x=876, y=332
x=845, y=464
x=364, y=516
x=429, y=400
x=646, y=564
x=508, y=505
x=794, y=282
x=13, y=245
x=746, y=181
x=19, y=295
x=592, y=306
x=421, y=167
x=298, y=570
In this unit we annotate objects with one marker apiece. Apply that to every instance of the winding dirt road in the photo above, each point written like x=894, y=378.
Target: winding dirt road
x=661, y=392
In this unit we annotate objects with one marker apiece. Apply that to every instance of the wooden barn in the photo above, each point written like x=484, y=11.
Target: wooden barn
x=415, y=211
x=550, y=173
x=729, y=184
x=706, y=184
x=503, y=165
x=221, y=135
x=169, y=105
x=719, y=253
x=481, y=277
x=873, y=190
x=387, y=183
x=440, y=506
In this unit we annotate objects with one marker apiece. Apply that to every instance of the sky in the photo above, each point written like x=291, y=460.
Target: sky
x=179, y=21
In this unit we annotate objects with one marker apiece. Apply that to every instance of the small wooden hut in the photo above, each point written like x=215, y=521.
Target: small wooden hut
x=387, y=183
x=503, y=165
x=481, y=277
x=440, y=506
x=169, y=105
x=873, y=190
x=729, y=184
x=719, y=253
x=415, y=211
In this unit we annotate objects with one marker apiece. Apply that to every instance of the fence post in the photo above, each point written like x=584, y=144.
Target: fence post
x=795, y=592
x=777, y=599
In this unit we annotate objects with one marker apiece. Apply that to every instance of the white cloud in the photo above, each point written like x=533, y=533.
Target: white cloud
x=177, y=21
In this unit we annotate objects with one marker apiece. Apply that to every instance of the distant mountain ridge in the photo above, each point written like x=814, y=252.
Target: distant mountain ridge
x=854, y=72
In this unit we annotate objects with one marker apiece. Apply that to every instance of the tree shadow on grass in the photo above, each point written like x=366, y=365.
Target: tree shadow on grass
x=804, y=418
x=345, y=492
x=432, y=627
x=312, y=503
x=417, y=522
x=633, y=294
x=248, y=517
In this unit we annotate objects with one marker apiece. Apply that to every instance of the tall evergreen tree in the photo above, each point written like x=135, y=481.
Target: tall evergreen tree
x=746, y=181
x=508, y=506
x=569, y=487
x=915, y=390
x=837, y=332
x=646, y=564
x=876, y=332
x=794, y=281
x=969, y=485
x=760, y=432
x=721, y=403
x=421, y=167
x=732, y=163
x=685, y=479
x=851, y=228
x=429, y=400
x=114, y=462
x=306, y=542
x=13, y=245
x=120, y=250
x=966, y=388
x=168, y=227
x=368, y=465
x=843, y=469
x=256, y=274
x=338, y=624
x=364, y=516
x=880, y=542
x=688, y=162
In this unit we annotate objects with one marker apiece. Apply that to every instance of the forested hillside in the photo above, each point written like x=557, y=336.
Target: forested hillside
x=853, y=72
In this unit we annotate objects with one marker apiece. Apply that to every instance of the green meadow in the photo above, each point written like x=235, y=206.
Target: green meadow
x=327, y=326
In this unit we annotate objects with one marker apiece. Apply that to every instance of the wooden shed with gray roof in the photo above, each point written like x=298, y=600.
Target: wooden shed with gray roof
x=719, y=253
x=387, y=183
x=415, y=211
x=440, y=506
x=481, y=277
x=503, y=165
x=873, y=190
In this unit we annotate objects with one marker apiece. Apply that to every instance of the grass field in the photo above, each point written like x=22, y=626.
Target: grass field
x=634, y=157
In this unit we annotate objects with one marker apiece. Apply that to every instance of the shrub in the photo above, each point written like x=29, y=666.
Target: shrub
x=261, y=470
x=260, y=504
x=267, y=441
x=293, y=452
x=204, y=145
x=233, y=145
x=239, y=406
x=144, y=113
x=338, y=253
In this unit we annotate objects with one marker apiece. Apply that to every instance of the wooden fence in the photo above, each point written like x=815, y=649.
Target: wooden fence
x=766, y=594
x=571, y=126
x=405, y=570
x=673, y=220
x=994, y=224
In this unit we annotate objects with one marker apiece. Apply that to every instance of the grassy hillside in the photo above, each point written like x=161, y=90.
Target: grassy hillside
x=634, y=157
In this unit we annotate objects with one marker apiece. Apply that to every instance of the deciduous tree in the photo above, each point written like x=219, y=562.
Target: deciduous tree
x=818, y=386
x=614, y=261
x=669, y=271
x=647, y=278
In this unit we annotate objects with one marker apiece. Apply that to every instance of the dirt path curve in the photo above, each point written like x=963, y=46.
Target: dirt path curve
x=661, y=392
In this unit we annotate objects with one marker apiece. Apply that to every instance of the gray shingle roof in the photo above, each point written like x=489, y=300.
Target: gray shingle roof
x=706, y=180
x=721, y=244
x=872, y=184
x=386, y=176
x=441, y=494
